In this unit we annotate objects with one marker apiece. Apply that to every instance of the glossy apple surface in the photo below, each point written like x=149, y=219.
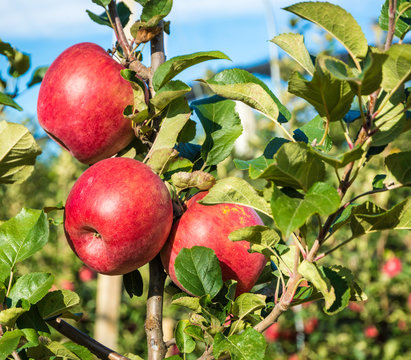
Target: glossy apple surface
x=118, y=216
x=81, y=103
x=210, y=226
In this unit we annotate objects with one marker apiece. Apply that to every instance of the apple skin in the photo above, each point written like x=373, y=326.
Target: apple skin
x=118, y=216
x=210, y=226
x=81, y=103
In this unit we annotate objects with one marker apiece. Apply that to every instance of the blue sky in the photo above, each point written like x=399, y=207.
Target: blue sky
x=45, y=28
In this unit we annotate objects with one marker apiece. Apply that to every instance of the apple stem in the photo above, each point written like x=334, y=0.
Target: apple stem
x=98, y=349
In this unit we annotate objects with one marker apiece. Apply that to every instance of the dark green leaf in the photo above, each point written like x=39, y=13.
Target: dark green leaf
x=9, y=342
x=222, y=127
x=22, y=236
x=155, y=10
x=184, y=342
x=378, y=181
x=32, y=320
x=240, y=85
x=338, y=22
x=339, y=161
x=37, y=76
x=133, y=283
x=56, y=302
x=250, y=344
x=175, y=65
x=399, y=166
x=342, y=291
x=313, y=132
x=233, y=190
x=102, y=19
x=198, y=270
x=32, y=287
x=188, y=133
x=101, y=2
x=18, y=152
x=8, y=101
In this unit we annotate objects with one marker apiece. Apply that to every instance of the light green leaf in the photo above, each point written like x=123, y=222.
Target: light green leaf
x=61, y=351
x=32, y=287
x=237, y=84
x=338, y=22
x=293, y=45
x=169, y=92
x=247, y=304
x=195, y=332
x=160, y=158
x=399, y=166
x=312, y=132
x=222, y=127
x=198, y=270
x=155, y=10
x=184, y=342
x=402, y=15
x=330, y=96
x=233, y=190
x=9, y=342
x=396, y=69
x=57, y=302
x=22, y=236
x=175, y=65
x=250, y=344
x=339, y=161
x=82, y=352
x=18, y=152
x=192, y=303
x=8, y=101
x=9, y=316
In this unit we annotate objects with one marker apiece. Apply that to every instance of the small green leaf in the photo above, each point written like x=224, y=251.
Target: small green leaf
x=56, y=302
x=378, y=181
x=8, y=101
x=102, y=3
x=233, y=190
x=237, y=84
x=169, y=92
x=155, y=10
x=250, y=344
x=312, y=132
x=198, y=179
x=192, y=303
x=195, y=332
x=102, y=19
x=293, y=45
x=32, y=320
x=160, y=158
x=222, y=127
x=9, y=342
x=198, y=270
x=338, y=22
x=339, y=161
x=22, y=236
x=37, y=76
x=32, y=287
x=61, y=351
x=184, y=342
x=247, y=304
x=399, y=166
x=32, y=338
x=175, y=65
x=82, y=352
x=9, y=316
x=133, y=283
x=18, y=152
x=396, y=69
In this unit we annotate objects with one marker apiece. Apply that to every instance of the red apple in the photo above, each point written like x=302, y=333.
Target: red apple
x=273, y=333
x=409, y=301
x=118, y=216
x=371, y=332
x=81, y=103
x=85, y=274
x=310, y=325
x=67, y=285
x=392, y=267
x=210, y=226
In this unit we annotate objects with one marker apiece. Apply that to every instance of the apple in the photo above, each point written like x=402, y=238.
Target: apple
x=409, y=301
x=310, y=325
x=81, y=103
x=209, y=226
x=273, y=333
x=118, y=216
x=392, y=267
x=371, y=332
x=85, y=274
x=67, y=285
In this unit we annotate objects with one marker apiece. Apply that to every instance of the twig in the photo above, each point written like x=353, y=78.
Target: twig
x=98, y=349
x=170, y=342
x=118, y=29
x=391, y=24
x=157, y=54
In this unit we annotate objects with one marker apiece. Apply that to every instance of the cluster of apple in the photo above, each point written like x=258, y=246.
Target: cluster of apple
x=119, y=213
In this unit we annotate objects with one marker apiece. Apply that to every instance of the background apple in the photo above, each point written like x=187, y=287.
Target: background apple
x=273, y=333
x=210, y=226
x=81, y=103
x=85, y=274
x=392, y=267
x=118, y=216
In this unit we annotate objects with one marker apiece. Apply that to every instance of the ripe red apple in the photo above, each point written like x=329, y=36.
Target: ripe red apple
x=392, y=267
x=81, y=103
x=210, y=226
x=67, y=285
x=273, y=333
x=371, y=332
x=310, y=325
x=85, y=274
x=118, y=216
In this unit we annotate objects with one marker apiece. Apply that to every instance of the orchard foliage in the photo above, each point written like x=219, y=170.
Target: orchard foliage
x=304, y=184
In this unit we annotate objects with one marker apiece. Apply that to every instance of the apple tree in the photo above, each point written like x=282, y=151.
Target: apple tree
x=298, y=202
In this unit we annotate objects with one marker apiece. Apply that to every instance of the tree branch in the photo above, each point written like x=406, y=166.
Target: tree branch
x=391, y=24
x=98, y=349
x=157, y=54
x=118, y=29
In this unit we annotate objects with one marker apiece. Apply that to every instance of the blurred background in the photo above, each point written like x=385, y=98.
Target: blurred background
x=377, y=329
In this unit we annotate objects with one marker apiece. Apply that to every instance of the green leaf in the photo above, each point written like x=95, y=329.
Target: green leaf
x=9, y=342
x=399, y=166
x=293, y=45
x=102, y=19
x=82, y=352
x=195, y=332
x=295, y=166
x=312, y=132
x=238, y=84
x=160, y=158
x=233, y=190
x=37, y=75
x=8, y=101
x=136, y=357
x=155, y=10
x=184, y=342
x=222, y=127
x=138, y=112
x=198, y=179
x=247, y=304
x=291, y=212
x=133, y=283
x=198, y=270
x=355, y=291
x=330, y=96
x=378, y=181
x=61, y=351
x=250, y=344
x=9, y=316
x=338, y=22
x=175, y=65
x=32, y=338
x=32, y=287
x=402, y=24
x=32, y=320
x=169, y=92
x=18, y=152
x=102, y=3
x=339, y=161
x=396, y=69
x=57, y=302
x=22, y=236
x=192, y=303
